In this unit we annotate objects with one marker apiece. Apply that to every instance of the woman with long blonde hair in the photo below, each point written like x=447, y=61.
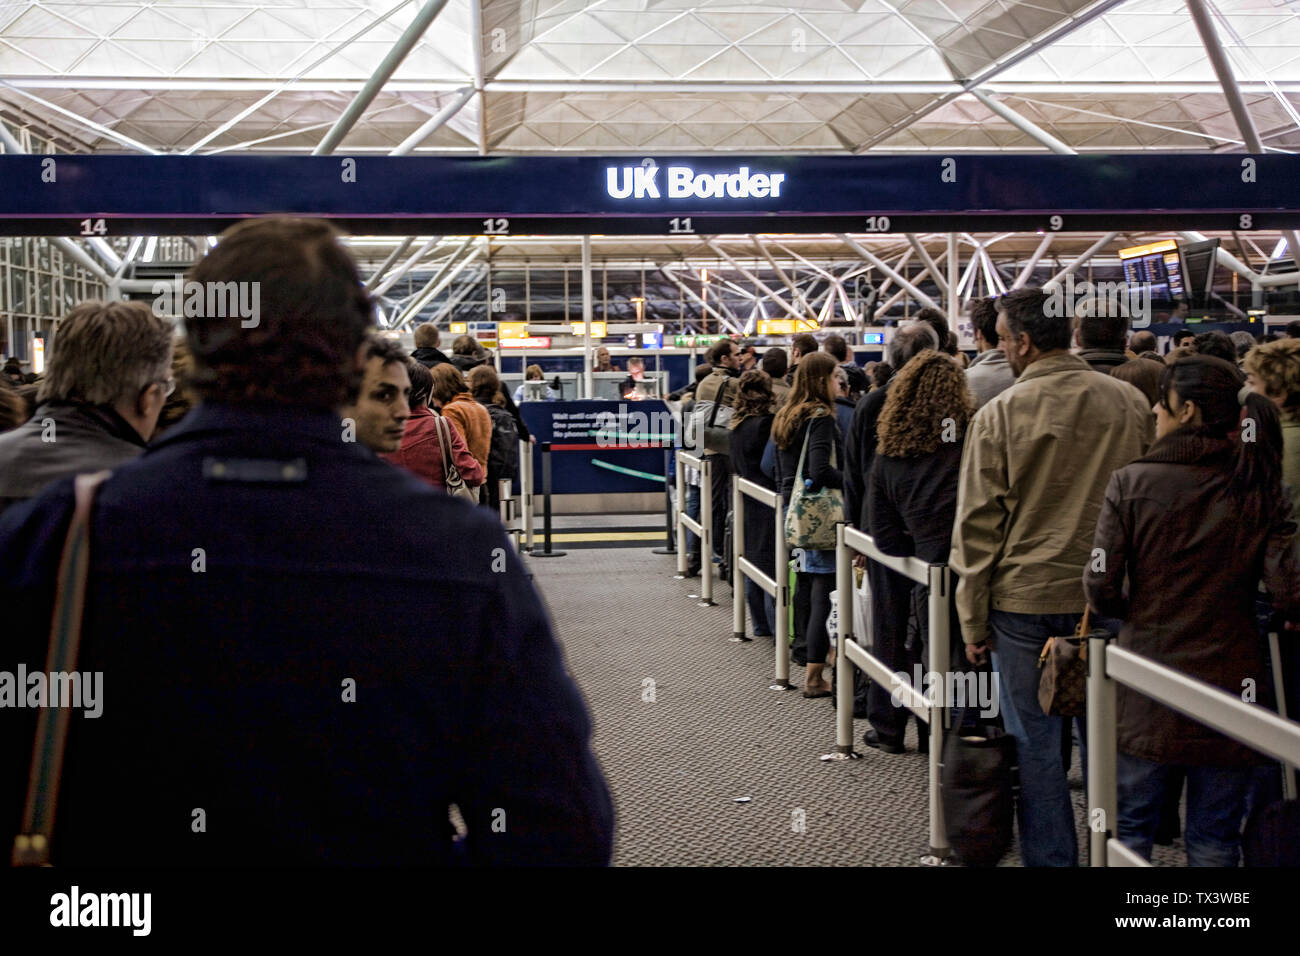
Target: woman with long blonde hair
x=808, y=417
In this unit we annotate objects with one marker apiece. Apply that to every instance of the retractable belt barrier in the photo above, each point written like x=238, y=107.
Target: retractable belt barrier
x=511, y=516
x=777, y=584
x=936, y=576
x=1108, y=666
x=702, y=528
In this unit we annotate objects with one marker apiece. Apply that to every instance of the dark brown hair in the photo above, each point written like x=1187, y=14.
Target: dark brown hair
x=485, y=385
x=448, y=382
x=929, y=392
x=754, y=397
x=313, y=313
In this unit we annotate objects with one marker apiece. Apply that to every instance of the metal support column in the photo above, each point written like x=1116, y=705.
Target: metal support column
x=589, y=378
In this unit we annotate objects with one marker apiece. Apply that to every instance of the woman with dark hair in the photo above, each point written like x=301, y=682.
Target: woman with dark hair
x=503, y=451
x=808, y=419
x=912, y=494
x=1185, y=535
x=751, y=426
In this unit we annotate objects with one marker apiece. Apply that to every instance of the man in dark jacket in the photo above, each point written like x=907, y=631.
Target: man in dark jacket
x=859, y=384
x=310, y=656
x=891, y=592
x=108, y=377
x=427, y=340
x=1101, y=339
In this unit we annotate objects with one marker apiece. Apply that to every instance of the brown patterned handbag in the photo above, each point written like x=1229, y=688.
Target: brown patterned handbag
x=1063, y=683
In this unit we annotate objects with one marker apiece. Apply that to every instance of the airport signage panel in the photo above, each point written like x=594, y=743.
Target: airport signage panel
x=96, y=195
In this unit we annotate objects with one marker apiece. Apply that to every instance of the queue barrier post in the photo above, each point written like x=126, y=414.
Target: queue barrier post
x=706, y=532
x=1279, y=692
x=546, y=551
x=504, y=504
x=782, y=581
x=776, y=584
x=939, y=604
x=526, y=492
x=737, y=552
x=1102, y=753
x=670, y=523
x=927, y=707
x=681, y=514
x=843, y=634
x=1110, y=666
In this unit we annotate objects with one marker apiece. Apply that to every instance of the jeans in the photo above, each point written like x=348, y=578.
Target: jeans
x=812, y=605
x=762, y=610
x=1216, y=800
x=1047, y=836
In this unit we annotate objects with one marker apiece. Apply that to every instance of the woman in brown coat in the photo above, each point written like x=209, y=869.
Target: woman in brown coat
x=1186, y=533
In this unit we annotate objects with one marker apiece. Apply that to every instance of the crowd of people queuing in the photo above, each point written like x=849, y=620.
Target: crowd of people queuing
x=1065, y=438
x=306, y=650
x=276, y=479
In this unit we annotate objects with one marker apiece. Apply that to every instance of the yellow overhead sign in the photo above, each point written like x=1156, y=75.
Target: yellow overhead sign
x=597, y=329
x=786, y=326
x=512, y=330
x=1164, y=245
x=458, y=328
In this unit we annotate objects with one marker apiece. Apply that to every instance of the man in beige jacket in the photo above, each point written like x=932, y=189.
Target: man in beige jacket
x=1034, y=471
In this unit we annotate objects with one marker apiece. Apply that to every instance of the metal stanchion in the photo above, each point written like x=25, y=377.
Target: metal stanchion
x=844, y=634
x=546, y=551
x=1103, y=802
x=670, y=531
x=504, y=501
x=681, y=514
x=782, y=577
x=526, y=492
x=737, y=550
x=706, y=533
x=940, y=852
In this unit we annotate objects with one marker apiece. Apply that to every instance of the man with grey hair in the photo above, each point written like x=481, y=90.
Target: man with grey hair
x=890, y=591
x=108, y=377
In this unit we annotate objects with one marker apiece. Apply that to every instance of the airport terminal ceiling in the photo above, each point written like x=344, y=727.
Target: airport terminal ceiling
x=624, y=76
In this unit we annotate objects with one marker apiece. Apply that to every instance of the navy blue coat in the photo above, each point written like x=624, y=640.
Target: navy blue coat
x=224, y=687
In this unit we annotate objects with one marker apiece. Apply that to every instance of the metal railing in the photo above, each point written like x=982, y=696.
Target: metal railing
x=1108, y=666
x=931, y=710
x=526, y=492
x=702, y=528
x=776, y=584
x=517, y=509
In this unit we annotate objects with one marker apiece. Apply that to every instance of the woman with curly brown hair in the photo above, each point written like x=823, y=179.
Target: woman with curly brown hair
x=912, y=494
x=808, y=418
x=751, y=426
x=1273, y=370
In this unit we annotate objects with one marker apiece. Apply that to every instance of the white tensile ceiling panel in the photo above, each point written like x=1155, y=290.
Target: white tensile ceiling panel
x=663, y=74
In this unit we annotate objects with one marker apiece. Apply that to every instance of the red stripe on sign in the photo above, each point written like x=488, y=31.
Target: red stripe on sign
x=597, y=447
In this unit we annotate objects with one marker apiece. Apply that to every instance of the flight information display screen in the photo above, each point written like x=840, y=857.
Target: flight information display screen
x=1157, y=267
